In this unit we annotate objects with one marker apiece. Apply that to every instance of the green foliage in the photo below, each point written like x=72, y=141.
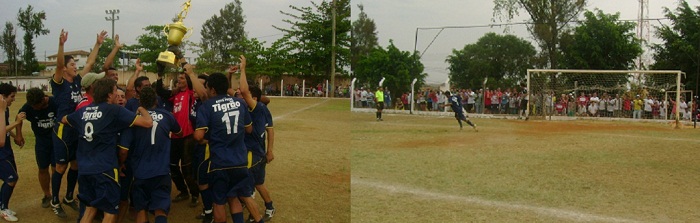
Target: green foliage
x=309, y=39
x=33, y=26
x=504, y=60
x=9, y=45
x=549, y=18
x=364, y=37
x=149, y=45
x=222, y=36
x=398, y=67
x=680, y=49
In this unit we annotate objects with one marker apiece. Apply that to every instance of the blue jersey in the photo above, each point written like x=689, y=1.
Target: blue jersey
x=149, y=148
x=255, y=141
x=456, y=102
x=97, y=126
x=133, y=104
x=6, y=152
x=67, y=96
x=42, y=120
x=225, y=119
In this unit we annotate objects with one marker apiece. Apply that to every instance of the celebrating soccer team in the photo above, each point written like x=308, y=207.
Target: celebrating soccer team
x=125, y=149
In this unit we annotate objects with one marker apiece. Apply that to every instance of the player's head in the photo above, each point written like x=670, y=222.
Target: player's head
x=447, y=93
x=148, y=99
x=121, y=97
x=105, y=90
x=184, y=82
x=9, y=92
x=71, y=68
x=36, y=98
x=112, y=73
x=255, y=92
x=141, y=82
x=217, y=83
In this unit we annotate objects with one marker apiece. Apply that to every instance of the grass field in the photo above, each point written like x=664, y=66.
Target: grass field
x=309, y=179
x=423, y=169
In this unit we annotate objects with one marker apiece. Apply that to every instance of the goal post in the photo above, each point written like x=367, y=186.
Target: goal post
x=602, y=90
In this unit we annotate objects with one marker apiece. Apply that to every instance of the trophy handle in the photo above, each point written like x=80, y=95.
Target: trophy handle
x=189, y=33
x=166, y=29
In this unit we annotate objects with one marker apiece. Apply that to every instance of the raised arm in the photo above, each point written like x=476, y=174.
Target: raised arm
x=245, y=91
x=60, y=61
x=110, y=57
x=93, y=54
x=196, y=85
x=232, y=83
x=130, y=90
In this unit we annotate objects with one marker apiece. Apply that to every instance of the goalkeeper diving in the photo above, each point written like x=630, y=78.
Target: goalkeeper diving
x=455, y=102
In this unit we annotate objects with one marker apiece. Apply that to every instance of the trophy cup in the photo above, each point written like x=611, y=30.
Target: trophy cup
x=175, y=32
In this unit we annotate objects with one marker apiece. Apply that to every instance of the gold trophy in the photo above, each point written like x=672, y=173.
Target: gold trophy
x=175, y=32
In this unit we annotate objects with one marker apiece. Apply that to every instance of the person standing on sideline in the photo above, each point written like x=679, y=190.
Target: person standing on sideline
x=455, y=102
x=40, y=111
x=379, y=99
x=8, y=166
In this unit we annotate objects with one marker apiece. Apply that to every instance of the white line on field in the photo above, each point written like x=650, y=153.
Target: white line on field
x=554, y=212
x=300, y=110
x=645, y=137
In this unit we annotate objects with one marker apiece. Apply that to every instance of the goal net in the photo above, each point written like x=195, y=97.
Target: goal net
x=647, y=94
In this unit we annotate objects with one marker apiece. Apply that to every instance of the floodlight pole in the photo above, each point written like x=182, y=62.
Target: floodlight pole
x=113, y=18
x=413, y=93
x=352, y=93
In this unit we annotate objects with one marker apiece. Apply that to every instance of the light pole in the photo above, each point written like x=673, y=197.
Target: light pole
x=113, y=12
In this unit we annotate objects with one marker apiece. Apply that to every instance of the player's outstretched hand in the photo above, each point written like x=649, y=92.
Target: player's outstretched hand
x=101, y=37
x=62, y=38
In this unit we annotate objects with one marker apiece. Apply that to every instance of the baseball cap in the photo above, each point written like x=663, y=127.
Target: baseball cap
x=90, y=78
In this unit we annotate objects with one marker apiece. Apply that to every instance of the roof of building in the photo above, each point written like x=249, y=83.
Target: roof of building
x=72, y=53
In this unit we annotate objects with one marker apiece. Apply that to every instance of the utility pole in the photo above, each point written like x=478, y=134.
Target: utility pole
x=113, y=12
x=332, y=87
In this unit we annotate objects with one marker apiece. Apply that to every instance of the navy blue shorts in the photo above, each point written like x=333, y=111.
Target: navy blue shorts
x=460, y=116
x=125, y=183
x=203, y=177
x=43, y=150
x=152, y=194
x=257, y=170
x=65, y=142
x=230, y=183
x=8, y=171
x=100, y=191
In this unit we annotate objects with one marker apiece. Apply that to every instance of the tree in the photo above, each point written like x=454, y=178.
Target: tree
x=310, y=37
x=33, y=26
x=549, y=18
x=680, y=49
x=9, y=45
x=363, y=37
x=104, y=50
x=503, y=59
x=398, y=67
x=149, y=45
x=222, y=35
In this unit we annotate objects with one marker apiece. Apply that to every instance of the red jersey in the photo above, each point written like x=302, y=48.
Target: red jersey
x=182, y=105
x=87, y=100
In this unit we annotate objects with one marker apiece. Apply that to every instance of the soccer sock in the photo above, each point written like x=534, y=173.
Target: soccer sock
x=72, y=180
x=269, y=206
x=380, y=115
x=6, y=193
x=81, y=211
x=377, y=114
x=161, y=219
x=460, y=123
x=470, y=123
x=56, y=179
x=237, y=217
x=207, y=199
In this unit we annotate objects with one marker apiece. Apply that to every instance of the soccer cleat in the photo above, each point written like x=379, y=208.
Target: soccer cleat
x=380, y=119
x=8, y=216
x=181, y=197
x=476, y=130
x=45, y=202
x=11, y=212
x=268, y=214
x=251, y=219
x=194, y=201
x=58, y=210
x=207, y=218
x=71, y=203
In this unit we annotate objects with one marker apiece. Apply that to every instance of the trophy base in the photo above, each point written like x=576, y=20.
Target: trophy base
x=167, y=58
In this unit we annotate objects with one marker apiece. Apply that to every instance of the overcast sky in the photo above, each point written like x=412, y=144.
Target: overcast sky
x=398, y=20
x=83, y=19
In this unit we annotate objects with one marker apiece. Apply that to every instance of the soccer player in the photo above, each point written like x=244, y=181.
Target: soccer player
x=150, y=160
x=456, y=103
x=97, y=126
x=40, y=111
x=8, y=166
x=66, y=88
x=181, y=154
x=255, y=141
x=226, y=120
x=379, y=99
